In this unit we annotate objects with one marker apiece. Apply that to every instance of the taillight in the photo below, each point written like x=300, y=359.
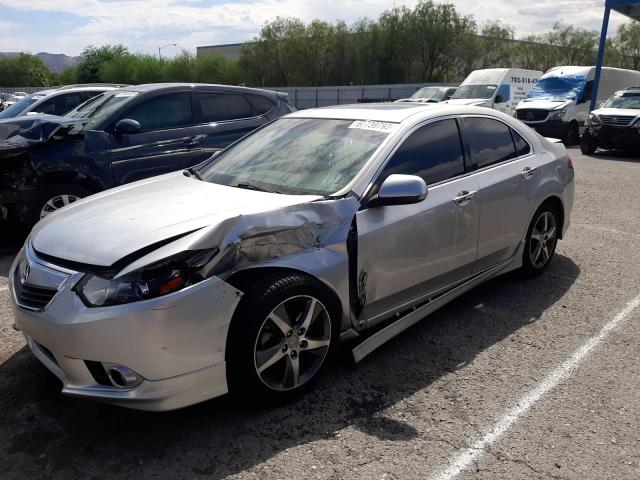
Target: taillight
x=570, y=164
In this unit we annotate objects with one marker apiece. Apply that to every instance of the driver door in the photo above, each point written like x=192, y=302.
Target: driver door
x=407, y=252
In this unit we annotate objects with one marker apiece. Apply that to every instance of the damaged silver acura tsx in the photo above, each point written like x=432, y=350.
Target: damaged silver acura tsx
x=244, y=273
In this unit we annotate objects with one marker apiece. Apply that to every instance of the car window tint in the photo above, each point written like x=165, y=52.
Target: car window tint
x=60, y=104
x=164, y=111
x=433, y=152
x=218, y=107
x=260, y=104
x=522, y=147
x=491, y=141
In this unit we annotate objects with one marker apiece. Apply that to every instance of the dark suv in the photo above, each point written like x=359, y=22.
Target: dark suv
x=121, y=136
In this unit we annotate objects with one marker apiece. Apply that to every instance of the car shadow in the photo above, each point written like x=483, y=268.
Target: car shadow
x=617, y=155
x=45, y=432
x=11, y=239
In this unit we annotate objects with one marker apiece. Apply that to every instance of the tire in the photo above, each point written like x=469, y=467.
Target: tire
x=587, y=144
x=262, y=349
x=540, y=245
x=51, y=198
x=573, y=135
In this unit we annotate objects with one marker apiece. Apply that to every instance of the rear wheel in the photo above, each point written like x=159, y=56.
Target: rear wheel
x=542, y=238
x=281, y=337
x=588, y=144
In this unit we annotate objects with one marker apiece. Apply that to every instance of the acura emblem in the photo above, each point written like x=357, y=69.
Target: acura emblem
x=530, y=116
x=25, y=273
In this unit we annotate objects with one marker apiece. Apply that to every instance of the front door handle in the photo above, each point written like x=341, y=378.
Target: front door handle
x=528, y=171
x=464, y=196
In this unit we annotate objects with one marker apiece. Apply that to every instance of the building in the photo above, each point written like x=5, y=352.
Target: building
x=229, y=50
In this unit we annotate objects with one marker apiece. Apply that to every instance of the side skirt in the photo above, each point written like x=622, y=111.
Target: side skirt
x=418, y=313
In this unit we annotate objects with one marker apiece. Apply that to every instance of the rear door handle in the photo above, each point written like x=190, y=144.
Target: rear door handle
x=528, y=171
x=464, y=196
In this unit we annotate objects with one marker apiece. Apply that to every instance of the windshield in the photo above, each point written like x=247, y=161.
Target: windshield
x=18, y=107
x=631, y=102
x=474, y=91
x=99, y=108
x=558, y=88
x=430, y=93
x=299, y=156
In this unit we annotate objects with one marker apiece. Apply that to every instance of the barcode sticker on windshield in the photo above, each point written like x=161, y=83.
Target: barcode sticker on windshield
x=126, y=94
x=385, y=127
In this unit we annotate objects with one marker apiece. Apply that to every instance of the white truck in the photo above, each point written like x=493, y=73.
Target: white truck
x=498, y=88
x=559, y=104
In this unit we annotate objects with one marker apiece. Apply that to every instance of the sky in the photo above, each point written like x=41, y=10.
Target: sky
x=66, y=26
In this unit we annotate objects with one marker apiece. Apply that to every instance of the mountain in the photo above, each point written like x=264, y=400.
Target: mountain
x=56, y=62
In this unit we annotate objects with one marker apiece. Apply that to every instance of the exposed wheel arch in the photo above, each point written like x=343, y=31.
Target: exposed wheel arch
x=559, y=206
x=246, y=276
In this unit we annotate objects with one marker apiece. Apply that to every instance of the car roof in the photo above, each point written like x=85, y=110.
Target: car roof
x=391, y=112
x=56, y=91
x=147, y=87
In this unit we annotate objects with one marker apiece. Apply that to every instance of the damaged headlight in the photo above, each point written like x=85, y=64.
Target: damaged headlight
x=593, y=119
x=160, y=278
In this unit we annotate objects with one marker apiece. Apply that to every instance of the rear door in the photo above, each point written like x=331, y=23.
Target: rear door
x=225, y=117
x=506, y=175
x=166, y=143
x=408, y=251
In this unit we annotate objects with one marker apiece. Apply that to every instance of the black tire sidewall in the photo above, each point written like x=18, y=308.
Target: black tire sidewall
x=527, y=266
x=587, y=144
x=258, y=301
x=573, y=135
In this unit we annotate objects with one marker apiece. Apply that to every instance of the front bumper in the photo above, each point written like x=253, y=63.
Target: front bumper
x=551, y=128
x=613, y=137
x=175, y=343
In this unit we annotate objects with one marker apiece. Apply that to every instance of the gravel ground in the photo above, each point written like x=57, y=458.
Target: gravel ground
x=410, y=408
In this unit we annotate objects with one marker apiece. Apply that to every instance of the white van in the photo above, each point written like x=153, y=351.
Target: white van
x=499, y=88
x=559, y=105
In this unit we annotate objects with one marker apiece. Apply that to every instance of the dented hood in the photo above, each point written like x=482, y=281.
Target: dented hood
x=104, y=228
x=18, y=134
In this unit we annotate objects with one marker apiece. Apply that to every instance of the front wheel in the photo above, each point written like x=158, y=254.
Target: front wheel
x=281, y=337
x=573, y=135
x=53, y=198
x=541, y=241
x=588, y=144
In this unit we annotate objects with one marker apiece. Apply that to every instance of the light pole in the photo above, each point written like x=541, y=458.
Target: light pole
x=162, y=46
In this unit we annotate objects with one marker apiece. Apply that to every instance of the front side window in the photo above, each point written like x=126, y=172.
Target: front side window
x=491, y=141
x=164, y=111
x=220, y=107
x=299, y=156
x=433, y=152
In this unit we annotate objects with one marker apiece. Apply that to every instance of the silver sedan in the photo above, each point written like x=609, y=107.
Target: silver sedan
x=244, y=273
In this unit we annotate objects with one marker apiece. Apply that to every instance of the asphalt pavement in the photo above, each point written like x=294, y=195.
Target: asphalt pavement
x=518, y=379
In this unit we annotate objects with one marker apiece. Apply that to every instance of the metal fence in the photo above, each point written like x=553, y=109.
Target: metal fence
x=23, y=89
x=311, y=97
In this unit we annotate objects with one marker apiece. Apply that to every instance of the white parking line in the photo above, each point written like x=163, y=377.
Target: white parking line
x=466, y=457
x=604, y=229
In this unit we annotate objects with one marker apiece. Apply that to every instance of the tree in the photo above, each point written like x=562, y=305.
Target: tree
x=94, y=57
x=628, y=42
x=496, y=44
x=24, y=70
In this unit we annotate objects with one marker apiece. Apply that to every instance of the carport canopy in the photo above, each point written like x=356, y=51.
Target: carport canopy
x=629, y=8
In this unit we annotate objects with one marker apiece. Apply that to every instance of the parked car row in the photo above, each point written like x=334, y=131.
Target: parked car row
x=120, y=136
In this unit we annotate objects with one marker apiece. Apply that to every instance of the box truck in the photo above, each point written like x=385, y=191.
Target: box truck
x=499, y=88
x=559, y=104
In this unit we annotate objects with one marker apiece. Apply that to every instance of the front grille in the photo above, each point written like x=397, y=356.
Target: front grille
x=31, y=296
x=619, y=120
x=532, y=115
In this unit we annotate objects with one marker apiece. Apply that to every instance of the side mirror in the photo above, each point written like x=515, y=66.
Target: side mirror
x=127, y=126
x=400, y=190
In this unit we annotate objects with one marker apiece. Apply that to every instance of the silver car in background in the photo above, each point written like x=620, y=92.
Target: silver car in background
x=244, y=273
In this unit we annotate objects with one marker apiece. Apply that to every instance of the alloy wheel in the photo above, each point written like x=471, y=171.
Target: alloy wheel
x=543, y=239
x=292, y=343
x=56, y=203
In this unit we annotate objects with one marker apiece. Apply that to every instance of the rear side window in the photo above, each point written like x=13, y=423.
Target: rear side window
x=261, y=105
x=491, y=141
x=220, y=107
x=433, y=152
x=522, y=147
x=164, y=111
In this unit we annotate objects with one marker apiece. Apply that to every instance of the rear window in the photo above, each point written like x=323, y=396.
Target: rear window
x=261, y=105
x=491, y=141
x=220, y=107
